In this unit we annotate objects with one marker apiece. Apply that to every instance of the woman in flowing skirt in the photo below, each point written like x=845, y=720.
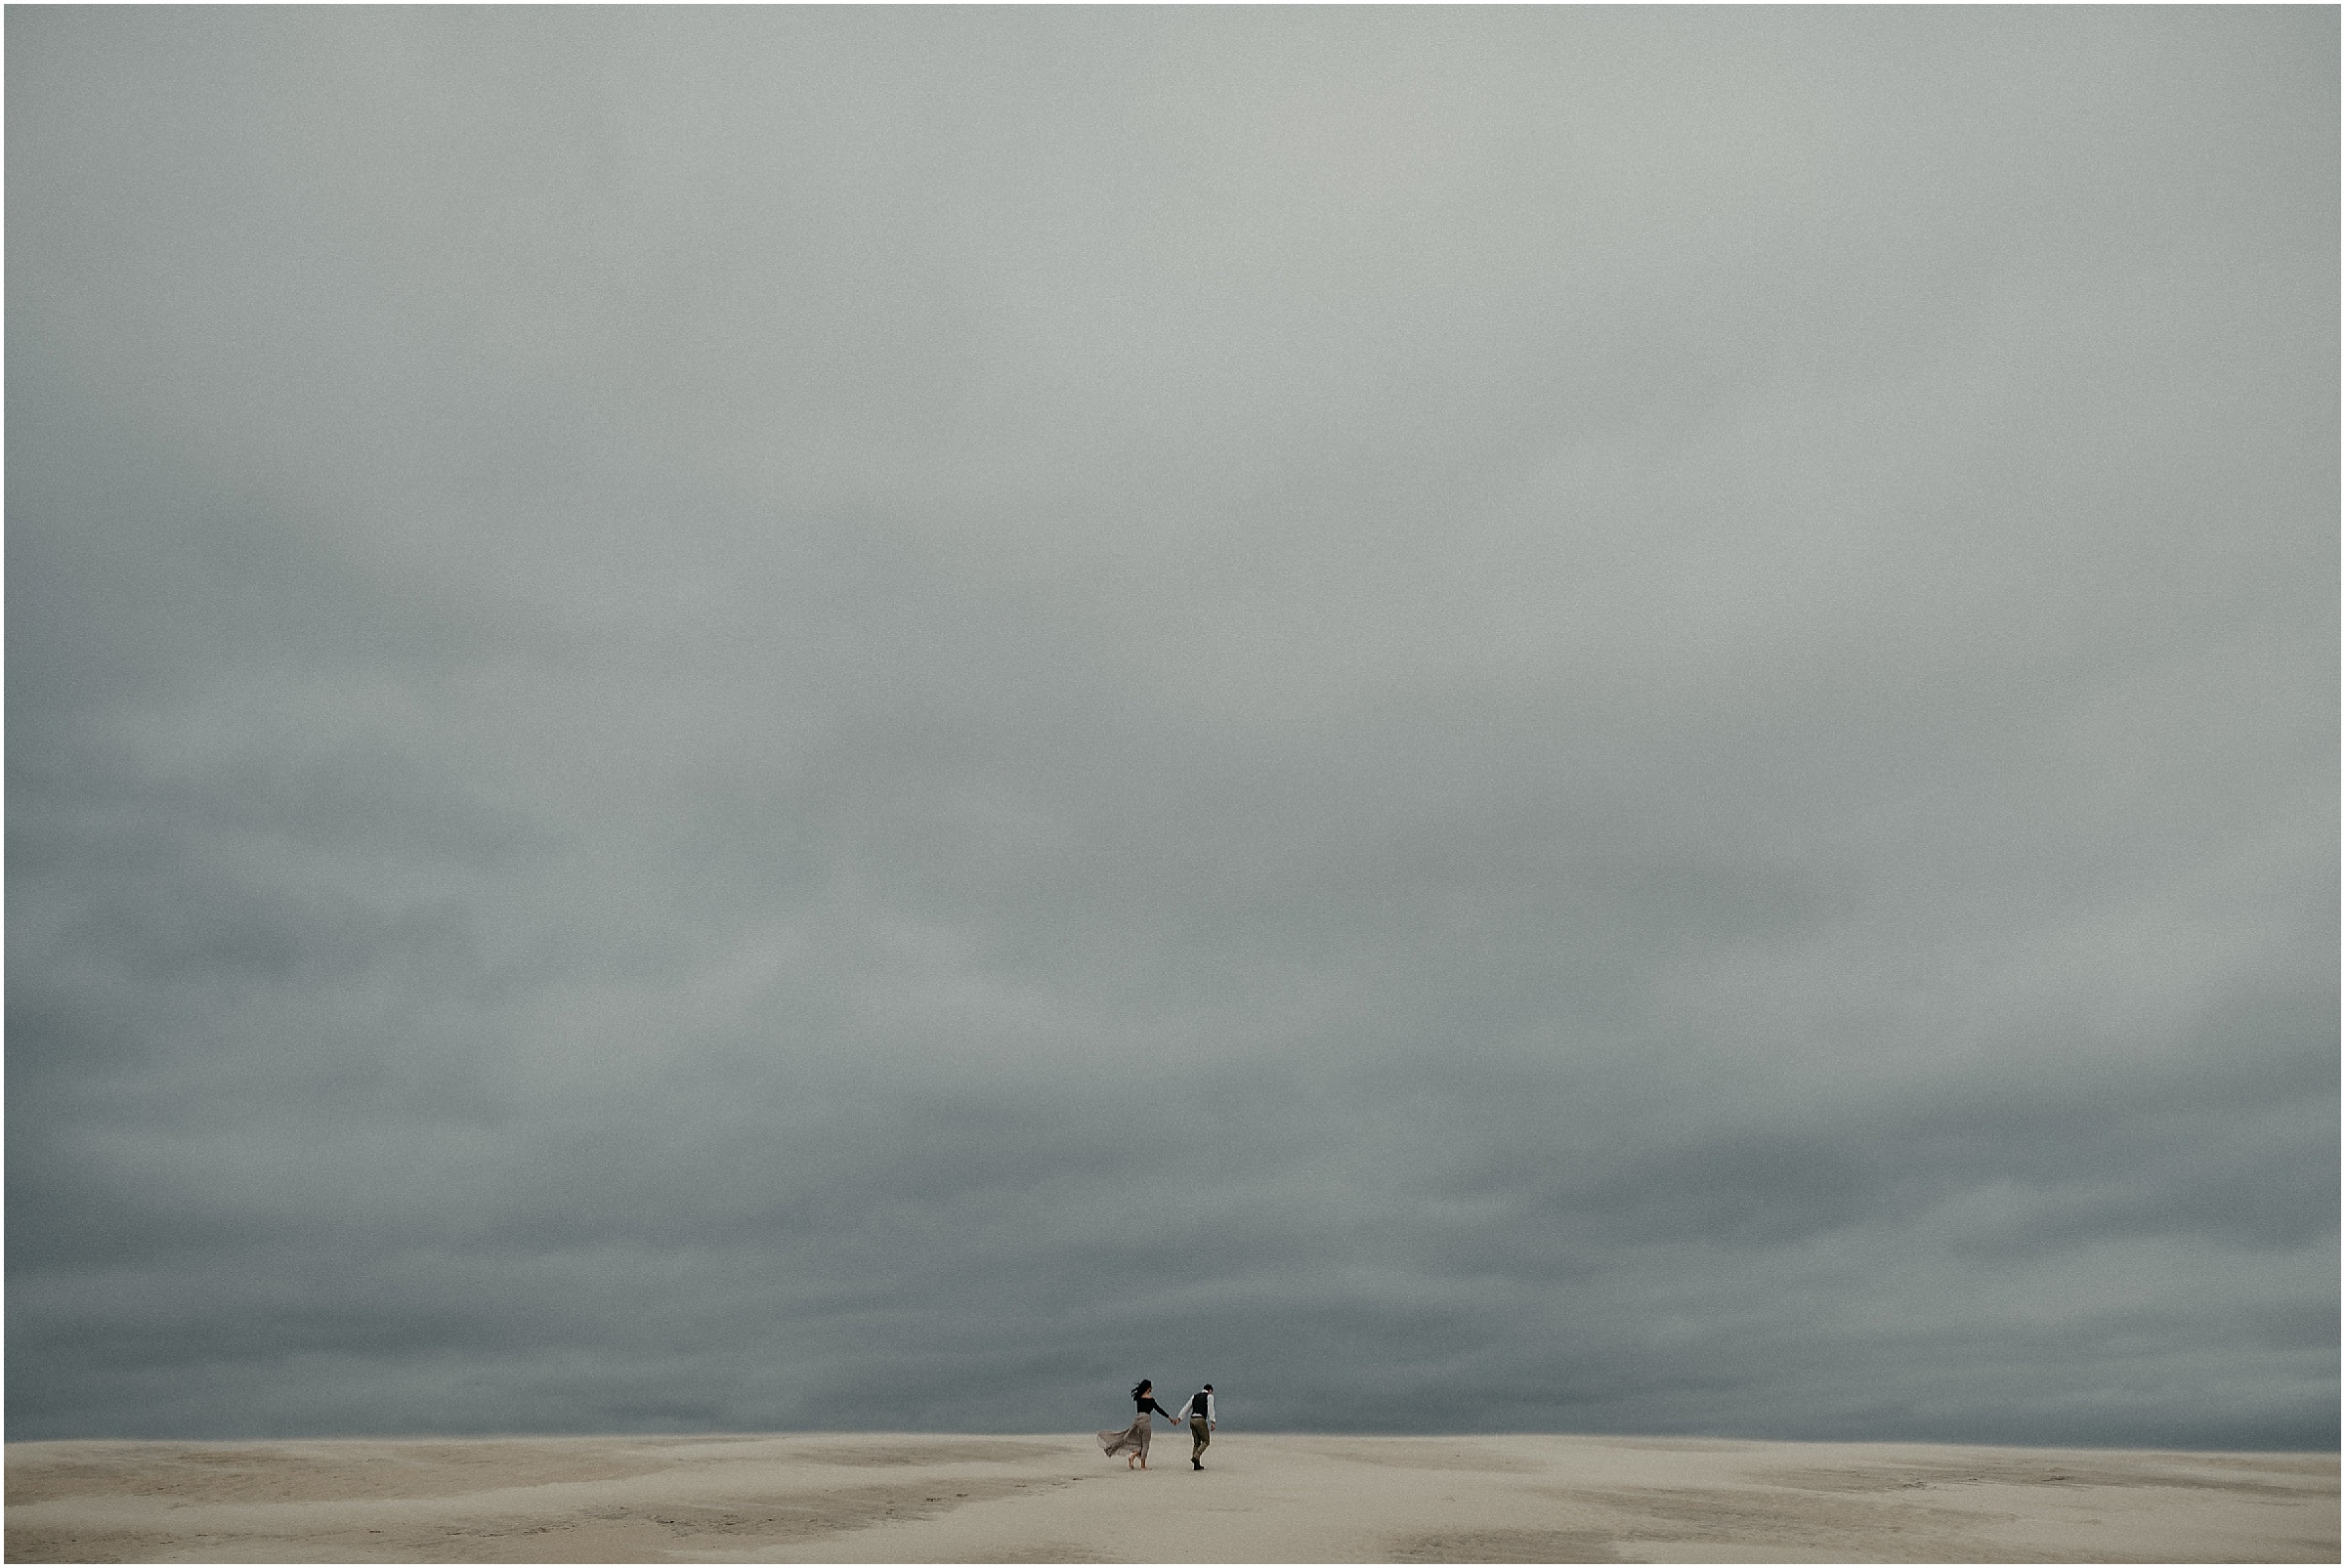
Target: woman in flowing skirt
x=1133, y=1441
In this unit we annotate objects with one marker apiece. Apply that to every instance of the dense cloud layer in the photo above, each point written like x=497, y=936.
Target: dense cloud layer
x=1560, y=719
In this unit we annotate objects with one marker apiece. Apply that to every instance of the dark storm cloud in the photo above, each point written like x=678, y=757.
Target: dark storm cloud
x=1572, y=719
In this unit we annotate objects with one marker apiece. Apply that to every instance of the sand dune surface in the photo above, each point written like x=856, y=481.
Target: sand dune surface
x=1287, y=1498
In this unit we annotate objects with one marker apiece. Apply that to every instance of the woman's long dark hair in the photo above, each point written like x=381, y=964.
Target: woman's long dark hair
x=1141, y=1387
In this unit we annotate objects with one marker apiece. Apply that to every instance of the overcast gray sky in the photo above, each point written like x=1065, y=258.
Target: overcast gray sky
x=1610, y=720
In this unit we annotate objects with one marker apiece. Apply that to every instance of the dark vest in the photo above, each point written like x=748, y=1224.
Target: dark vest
x=1200, y=1404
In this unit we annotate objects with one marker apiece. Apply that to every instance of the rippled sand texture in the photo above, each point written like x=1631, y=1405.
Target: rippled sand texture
x=868, y=1498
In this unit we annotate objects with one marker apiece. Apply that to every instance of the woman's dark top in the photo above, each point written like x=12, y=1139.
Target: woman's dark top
x=1147, y=1403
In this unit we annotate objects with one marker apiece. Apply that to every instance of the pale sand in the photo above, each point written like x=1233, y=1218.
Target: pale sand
x=872, y=1498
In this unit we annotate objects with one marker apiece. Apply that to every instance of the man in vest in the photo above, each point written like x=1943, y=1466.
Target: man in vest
x=1199, y=1411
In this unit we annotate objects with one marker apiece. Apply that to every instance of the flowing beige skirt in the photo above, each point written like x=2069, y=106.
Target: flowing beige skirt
x=1133, y=1439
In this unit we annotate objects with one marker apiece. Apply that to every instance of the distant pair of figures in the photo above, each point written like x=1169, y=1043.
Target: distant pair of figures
x=1133, y=1441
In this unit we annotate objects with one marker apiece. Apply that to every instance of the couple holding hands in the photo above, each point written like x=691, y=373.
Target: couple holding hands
x=1133, y=1441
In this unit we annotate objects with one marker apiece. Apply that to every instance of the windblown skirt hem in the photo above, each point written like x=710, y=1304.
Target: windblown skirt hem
x=1133, y=1439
